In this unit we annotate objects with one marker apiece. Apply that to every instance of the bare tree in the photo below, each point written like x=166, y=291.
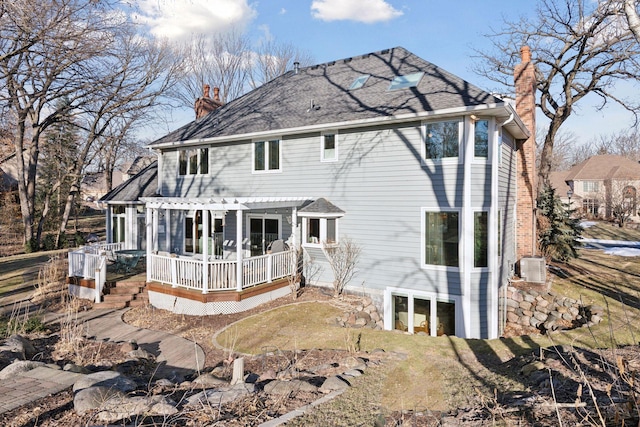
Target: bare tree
x=563, y=151
x=102, y=69
x=221, y=60
x=34, y=80
x=631, y=13
x=343, y=259
x=621, y=200
x=272, y=59
x=579, y=49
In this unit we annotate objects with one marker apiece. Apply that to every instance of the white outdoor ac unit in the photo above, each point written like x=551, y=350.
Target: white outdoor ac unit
x=533, y=269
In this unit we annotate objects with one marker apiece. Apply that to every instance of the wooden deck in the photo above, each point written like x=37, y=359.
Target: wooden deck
x=217, y=296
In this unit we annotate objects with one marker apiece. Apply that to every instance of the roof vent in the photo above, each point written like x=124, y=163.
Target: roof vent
x=296, y=67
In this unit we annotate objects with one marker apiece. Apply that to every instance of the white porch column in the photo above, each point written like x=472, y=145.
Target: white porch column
x=150, y=239
x=294, y=227
x=167, y=230
x=108, y=225
x=239, y=249
x=155, y=216
x=205, y=251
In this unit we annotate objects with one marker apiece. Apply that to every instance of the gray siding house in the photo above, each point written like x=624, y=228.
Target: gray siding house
x=413, y=164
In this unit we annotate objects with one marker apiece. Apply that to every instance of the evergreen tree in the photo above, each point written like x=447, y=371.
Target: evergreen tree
x=558, y=230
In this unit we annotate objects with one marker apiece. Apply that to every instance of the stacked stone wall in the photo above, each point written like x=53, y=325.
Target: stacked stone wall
x=547, y=311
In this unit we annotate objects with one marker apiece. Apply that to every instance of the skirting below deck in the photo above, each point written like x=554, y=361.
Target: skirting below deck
x=194, y=303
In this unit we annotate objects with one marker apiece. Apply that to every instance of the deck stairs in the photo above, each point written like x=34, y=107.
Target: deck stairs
x=123, y=294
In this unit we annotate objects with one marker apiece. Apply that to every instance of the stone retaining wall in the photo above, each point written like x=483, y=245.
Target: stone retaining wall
x=547, y=311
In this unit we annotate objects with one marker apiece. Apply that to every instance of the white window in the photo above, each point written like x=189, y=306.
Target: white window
x=266, y=156
x=440, y=238
x=329, y=147
x=118, y=221
x=421, y=313
x=480, y=239
x=442, y=139
x=194, y=234
x=590, y=186
x=193, y=161
x=319, y=229
x=481, y=139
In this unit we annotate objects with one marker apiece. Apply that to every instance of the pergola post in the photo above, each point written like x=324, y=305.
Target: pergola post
x=239, y=249
x=150, y=239
x=205, y=251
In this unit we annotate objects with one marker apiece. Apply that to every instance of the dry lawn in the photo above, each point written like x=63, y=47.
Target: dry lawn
x=443, y=373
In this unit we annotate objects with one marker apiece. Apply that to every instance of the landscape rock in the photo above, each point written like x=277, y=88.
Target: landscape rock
x=283, y=388
x=353, y=373
x=18, y=345
x=72, y=367
x=19, y=366
x=118, y=408
x=109, y=379
x=334, y=383
x=215, y=397
x=91, y=398
x=140, y=353
x=209, y=381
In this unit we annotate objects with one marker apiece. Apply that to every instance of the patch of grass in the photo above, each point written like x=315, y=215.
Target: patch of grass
x=609, y=231
x=443, y=373
x=20, y=325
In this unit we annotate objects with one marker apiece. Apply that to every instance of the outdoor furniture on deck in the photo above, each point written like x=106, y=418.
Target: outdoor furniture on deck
x=127, y=259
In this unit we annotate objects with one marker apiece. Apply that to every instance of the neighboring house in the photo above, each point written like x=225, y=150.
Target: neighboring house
x=416, y=166
x=602, y=183
x=94, y=184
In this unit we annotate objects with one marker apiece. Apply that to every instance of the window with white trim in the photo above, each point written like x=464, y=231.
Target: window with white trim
x=193, y=161
x=481, y=139
x=480, y=239
x=442, y=139
x=319, y=229
x=266, y=156
x=441, y=237
x=591, y=186
x=118, y=221
x=329, y=147
x=433, y=316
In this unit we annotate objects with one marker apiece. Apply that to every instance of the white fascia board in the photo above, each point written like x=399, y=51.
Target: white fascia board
x=499, y=110
x=320, y=215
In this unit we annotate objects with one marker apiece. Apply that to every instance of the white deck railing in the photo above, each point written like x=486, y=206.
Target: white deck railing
x=84, y=261
x=187, y=273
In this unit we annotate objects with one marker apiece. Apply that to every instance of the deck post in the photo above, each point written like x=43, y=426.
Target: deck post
x=239, y=249
x=205, y=251
x=149, y=237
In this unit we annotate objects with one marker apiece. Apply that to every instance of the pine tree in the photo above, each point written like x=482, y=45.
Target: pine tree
x=558, y=230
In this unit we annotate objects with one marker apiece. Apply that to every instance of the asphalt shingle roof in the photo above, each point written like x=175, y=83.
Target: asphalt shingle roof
x=323, y=206
x=320, y=95
x=143, y=184
x=603, y=167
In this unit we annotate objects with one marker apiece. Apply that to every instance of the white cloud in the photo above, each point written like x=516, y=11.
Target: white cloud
x=178, y=19
x=283, y=11
x=353, y=10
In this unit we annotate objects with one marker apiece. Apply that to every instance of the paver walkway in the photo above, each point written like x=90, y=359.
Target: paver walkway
x=177, y=357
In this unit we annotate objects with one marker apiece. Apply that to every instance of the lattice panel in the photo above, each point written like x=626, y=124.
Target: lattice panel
x=195, y=308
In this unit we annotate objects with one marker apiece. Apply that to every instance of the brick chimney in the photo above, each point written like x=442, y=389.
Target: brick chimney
x=205, y=104
x=525, y=85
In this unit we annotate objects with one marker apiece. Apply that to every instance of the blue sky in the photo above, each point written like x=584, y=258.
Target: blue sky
x=442, y=32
